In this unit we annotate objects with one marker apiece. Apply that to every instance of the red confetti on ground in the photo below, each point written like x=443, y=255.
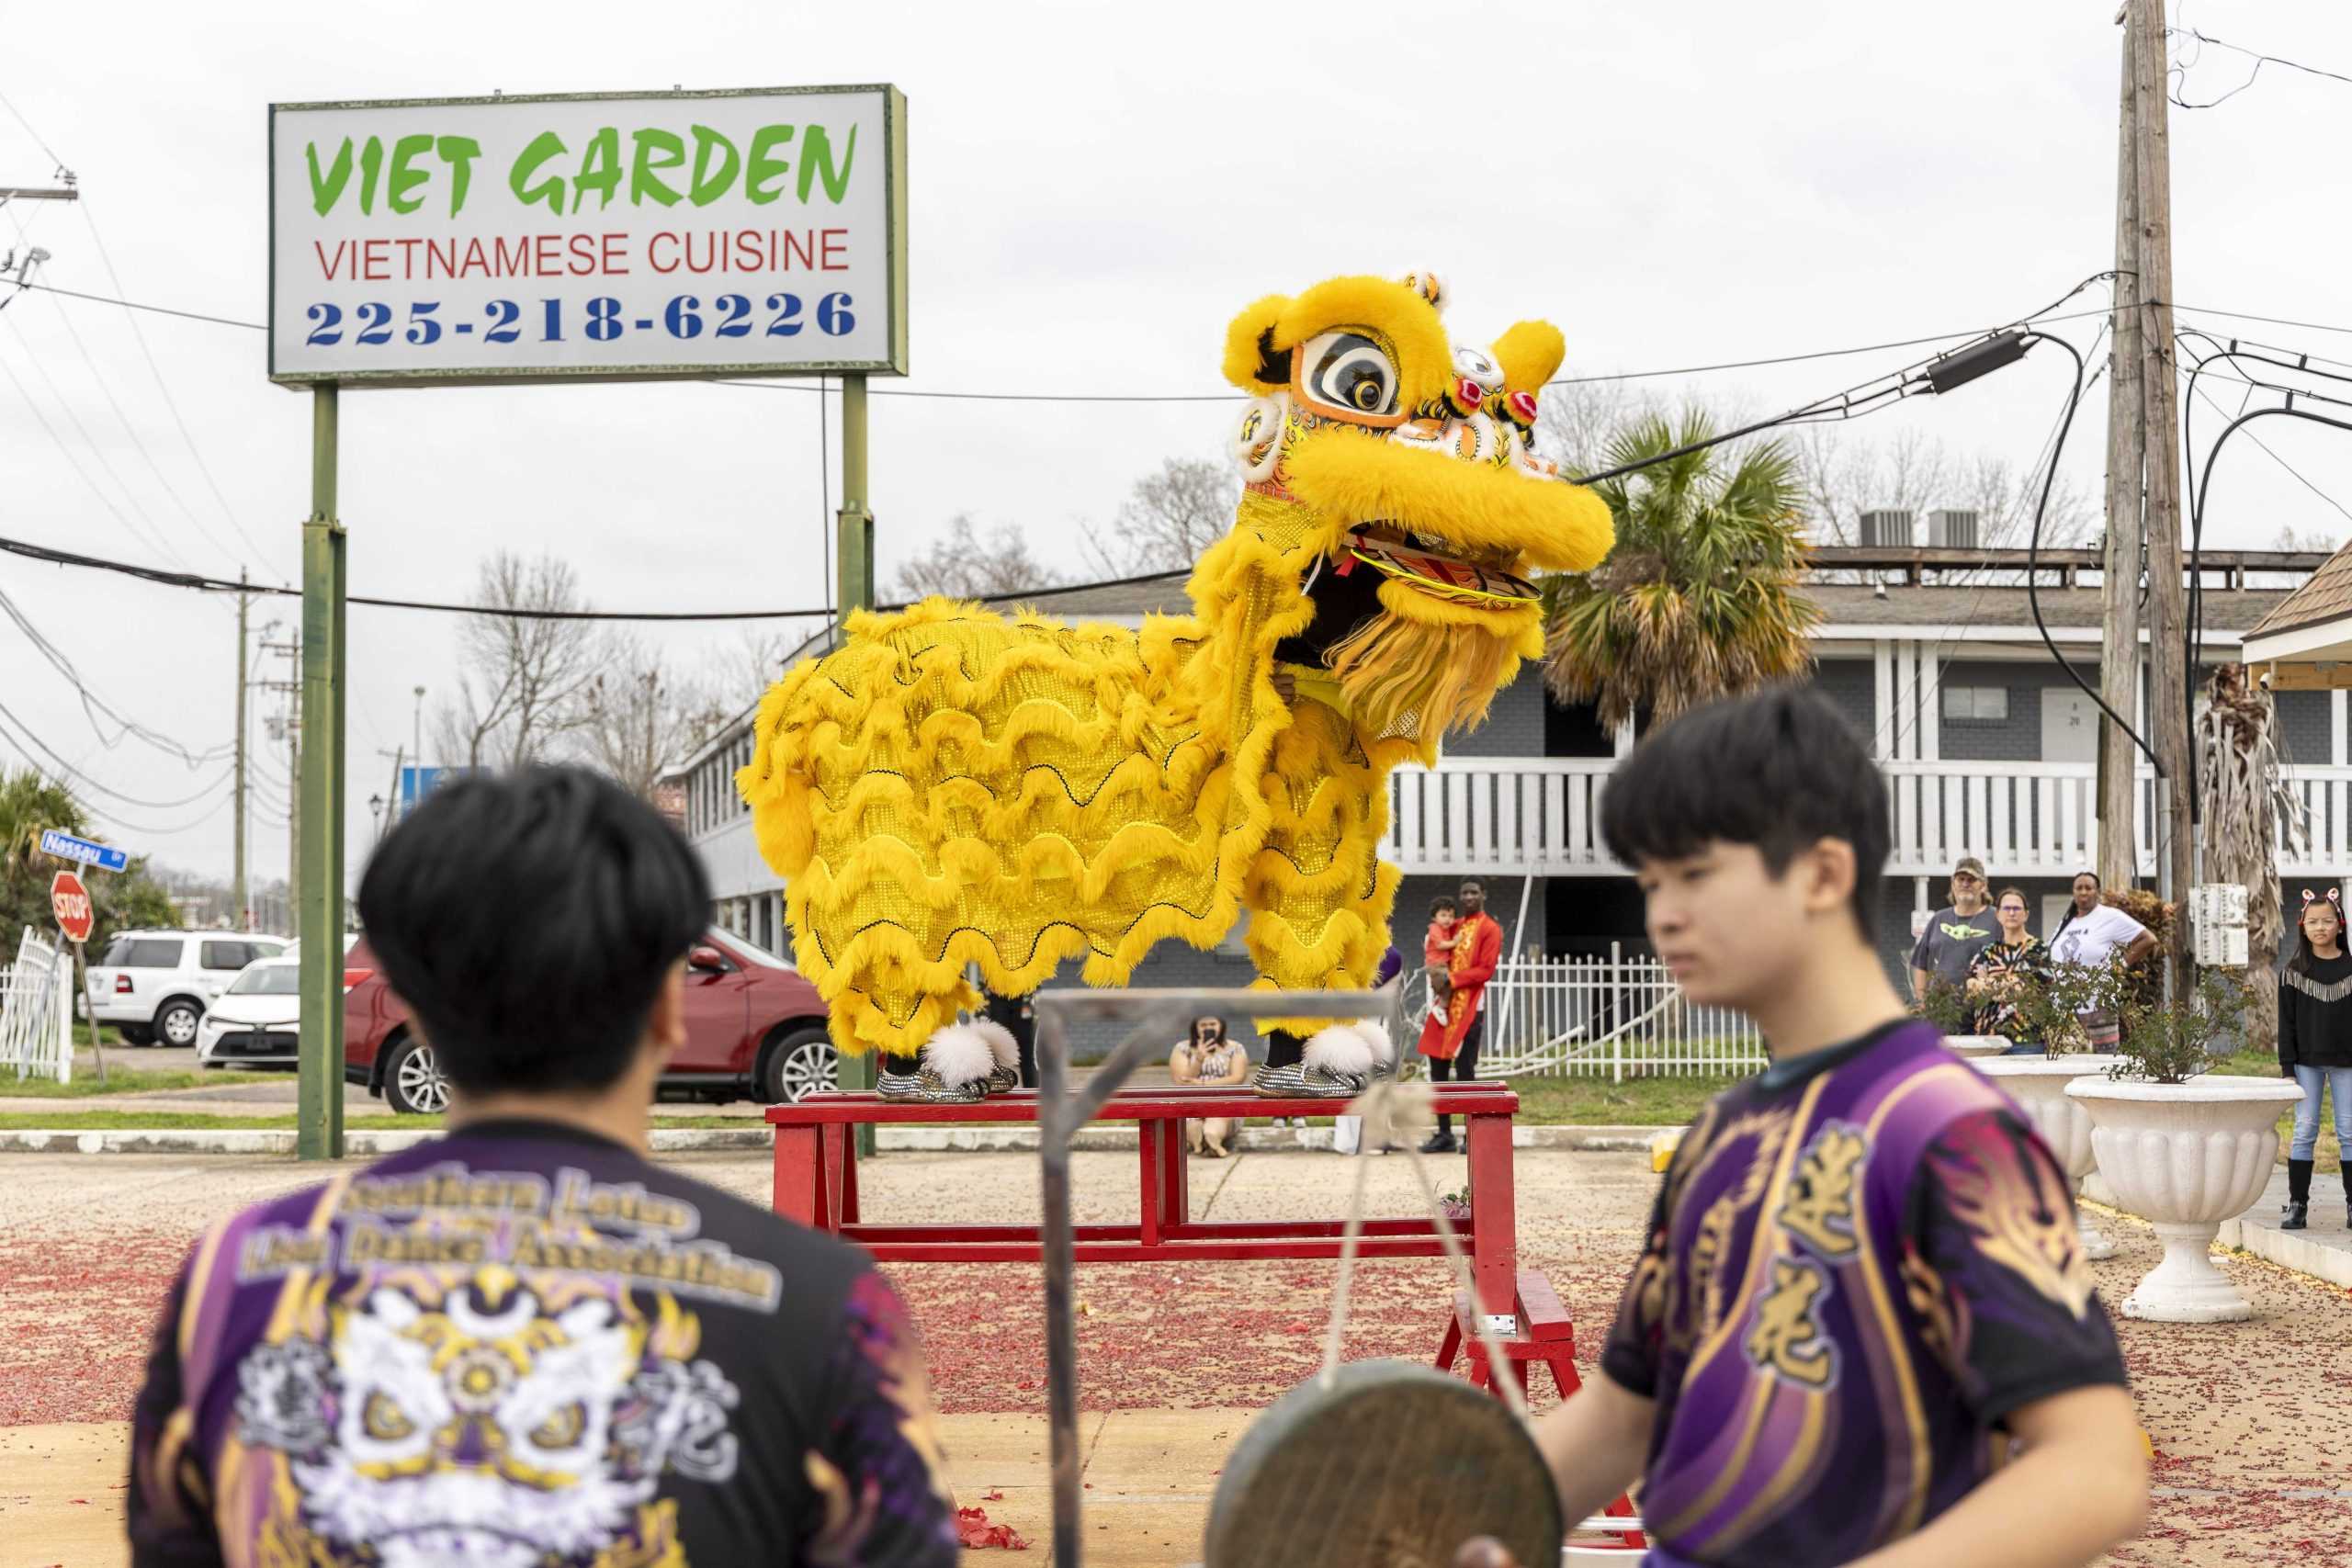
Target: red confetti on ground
x=973, y=1530
x=76, y=1317
x=2241, y=1414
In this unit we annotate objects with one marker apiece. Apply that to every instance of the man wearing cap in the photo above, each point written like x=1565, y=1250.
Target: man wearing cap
x=1956, y=934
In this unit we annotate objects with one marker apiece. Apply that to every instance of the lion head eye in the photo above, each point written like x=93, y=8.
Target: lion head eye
x=384, y=1420
x=562, y=1429
x=1351, y=372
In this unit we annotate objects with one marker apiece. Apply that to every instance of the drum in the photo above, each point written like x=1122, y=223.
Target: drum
x=1394, y=1465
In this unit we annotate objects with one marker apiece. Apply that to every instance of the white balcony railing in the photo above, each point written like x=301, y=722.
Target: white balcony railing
x=1541, y=816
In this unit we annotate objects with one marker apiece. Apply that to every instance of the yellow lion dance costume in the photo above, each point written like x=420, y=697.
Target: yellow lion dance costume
x=952, y=788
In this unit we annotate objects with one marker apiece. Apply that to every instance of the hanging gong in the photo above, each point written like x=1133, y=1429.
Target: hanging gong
x=1394, y=1465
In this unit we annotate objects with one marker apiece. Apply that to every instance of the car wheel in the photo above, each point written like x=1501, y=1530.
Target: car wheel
x=135, y=1033
x=412, y=1082
x=801, y=1064
x=175, y=1024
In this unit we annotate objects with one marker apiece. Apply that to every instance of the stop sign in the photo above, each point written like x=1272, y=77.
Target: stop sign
x=71, y=901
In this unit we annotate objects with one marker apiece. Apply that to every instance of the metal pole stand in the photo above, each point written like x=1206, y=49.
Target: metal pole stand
x=1061, y=1113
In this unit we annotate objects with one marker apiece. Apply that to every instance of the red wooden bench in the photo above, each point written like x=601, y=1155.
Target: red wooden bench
x=1546, y=1335
x=816, y=1183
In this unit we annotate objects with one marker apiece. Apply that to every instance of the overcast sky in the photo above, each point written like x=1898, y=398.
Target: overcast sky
x=1095, y=189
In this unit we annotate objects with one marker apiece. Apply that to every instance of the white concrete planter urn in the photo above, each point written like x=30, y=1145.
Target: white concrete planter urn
x=2185, y=1157
x=2038, y=1086
x=1976, y=1047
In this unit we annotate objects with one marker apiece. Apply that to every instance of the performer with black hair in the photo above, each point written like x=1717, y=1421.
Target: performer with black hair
x=524, y=1341
x=1862, y=1329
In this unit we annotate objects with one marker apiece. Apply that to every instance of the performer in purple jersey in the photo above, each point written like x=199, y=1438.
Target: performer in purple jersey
x=525, y=1344
x=1862, y=1329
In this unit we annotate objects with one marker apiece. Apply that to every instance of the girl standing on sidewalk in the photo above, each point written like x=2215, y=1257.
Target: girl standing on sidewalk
x=2316, y=1046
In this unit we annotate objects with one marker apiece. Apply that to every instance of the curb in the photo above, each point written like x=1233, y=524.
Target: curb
x=360, y=1143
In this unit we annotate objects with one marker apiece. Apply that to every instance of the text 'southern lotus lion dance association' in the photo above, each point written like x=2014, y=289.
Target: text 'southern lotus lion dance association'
x=952, y=788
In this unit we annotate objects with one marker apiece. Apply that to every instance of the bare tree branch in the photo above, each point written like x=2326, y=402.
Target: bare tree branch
x=960, y=565
x=1846, y=475
x=1169, y=519
x=515, y=675
x=635, y=717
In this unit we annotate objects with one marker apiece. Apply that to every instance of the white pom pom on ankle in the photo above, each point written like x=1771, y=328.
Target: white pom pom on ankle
x=959, y=1054
x=1000, y=1041
x=1340, y=1049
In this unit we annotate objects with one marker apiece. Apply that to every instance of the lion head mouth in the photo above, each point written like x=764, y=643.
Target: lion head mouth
x=1433, y=565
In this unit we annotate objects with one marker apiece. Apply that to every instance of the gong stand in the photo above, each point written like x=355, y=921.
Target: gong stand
x=1060, y=1114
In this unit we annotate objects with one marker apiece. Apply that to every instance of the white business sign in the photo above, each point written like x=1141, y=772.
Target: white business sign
x=615, y=238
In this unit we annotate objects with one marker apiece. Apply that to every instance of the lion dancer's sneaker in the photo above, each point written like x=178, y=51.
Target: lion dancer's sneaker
x=1335, y=1063
x=955, y=1069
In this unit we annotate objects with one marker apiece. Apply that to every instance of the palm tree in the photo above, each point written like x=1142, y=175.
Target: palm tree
x=30, y=802
x=1698, y=600
x=2244, y=801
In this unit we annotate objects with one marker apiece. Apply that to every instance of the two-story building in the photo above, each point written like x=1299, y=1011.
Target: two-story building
x=1988, y=747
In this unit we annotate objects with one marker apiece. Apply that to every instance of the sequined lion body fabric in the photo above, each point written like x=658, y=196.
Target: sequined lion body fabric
x=952, y=787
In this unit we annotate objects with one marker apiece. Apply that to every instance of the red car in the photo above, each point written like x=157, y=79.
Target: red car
x=754, y=1030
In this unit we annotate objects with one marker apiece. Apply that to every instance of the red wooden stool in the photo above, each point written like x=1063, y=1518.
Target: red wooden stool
x=1544, y=1333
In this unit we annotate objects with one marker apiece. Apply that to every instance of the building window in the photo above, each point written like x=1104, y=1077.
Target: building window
x=1976, y=704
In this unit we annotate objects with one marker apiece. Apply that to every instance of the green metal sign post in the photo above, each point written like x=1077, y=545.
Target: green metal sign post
x=319, y=1112
x=854, y=532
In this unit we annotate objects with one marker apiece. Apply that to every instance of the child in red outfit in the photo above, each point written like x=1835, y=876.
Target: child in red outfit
x=1437, y=947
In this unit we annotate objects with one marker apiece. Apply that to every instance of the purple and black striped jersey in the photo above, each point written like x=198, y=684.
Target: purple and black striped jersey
x=1859, y=1262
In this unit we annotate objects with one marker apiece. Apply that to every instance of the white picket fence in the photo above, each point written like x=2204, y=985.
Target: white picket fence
x=36, y=1013
x=1617, y=1015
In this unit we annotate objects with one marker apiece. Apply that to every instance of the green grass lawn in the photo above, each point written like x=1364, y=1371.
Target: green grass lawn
x=1658, y=1101
x=120, y=1080
x=80, y=1121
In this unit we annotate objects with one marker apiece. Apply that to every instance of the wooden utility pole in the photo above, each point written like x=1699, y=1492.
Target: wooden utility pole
x=2168, y=675
x=239, y=914
x=2118, y=664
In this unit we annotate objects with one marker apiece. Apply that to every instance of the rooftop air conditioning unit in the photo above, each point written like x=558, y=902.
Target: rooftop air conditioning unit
x=1887, y=529
x=1951, y=530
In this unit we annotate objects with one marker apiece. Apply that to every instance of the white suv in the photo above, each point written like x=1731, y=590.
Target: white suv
x=155, y=985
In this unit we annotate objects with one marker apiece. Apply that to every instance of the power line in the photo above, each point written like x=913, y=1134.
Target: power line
x=18, y=116
x=151, y=310
x=93, y=705
x=156, y=371
x=2211, y=310
x=144, y=530
x=1954, y=635
x=2264, y=446
x=55, y=757
x=2179, y=71
x=198, y=580
x=137, y=442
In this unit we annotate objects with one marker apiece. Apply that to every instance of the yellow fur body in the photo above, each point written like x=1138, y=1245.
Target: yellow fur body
x=953, y=787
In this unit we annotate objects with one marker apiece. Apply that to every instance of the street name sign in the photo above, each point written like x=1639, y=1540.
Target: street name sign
x=65, y=846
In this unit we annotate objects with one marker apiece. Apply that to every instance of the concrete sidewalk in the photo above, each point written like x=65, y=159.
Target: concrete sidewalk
x=2324, y=1251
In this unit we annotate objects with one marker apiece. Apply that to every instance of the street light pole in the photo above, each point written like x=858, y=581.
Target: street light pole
x=416, y=744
